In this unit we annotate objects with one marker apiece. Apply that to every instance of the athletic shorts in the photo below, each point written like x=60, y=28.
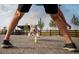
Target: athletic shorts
x=49, y=8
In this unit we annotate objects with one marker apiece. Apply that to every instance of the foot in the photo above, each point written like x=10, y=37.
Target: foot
x=70, y=47
x=6, y=44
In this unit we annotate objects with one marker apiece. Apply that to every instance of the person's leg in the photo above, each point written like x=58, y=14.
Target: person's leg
x=62, y=27
x=63, y=18
x=13, y=24
x=22, y=8
x=52, y=9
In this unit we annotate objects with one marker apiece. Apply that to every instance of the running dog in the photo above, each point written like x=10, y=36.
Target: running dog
x=33, y=32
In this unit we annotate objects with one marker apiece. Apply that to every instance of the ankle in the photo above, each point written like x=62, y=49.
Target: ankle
x=6, y=40
x=69, y=42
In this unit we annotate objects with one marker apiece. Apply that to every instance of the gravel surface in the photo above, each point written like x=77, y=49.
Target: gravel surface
x=45, y=45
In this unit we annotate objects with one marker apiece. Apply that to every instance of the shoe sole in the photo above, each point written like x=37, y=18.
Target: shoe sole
x=70, y=49
x=5, y=46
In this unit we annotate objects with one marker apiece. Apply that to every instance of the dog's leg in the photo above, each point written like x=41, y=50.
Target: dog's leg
x=35, y=39
x=28, y=34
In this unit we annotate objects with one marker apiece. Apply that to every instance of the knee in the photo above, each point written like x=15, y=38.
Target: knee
x=54, y=16
x=18, y=14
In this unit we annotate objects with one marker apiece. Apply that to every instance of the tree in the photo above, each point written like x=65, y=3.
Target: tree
x=75, y=21
x=51, y=24
x=40, y=25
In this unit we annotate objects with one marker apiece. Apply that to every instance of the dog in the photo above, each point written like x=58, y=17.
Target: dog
x=33, y=31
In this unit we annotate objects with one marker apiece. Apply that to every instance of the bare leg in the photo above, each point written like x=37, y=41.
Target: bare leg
x=63, y=18
x=62, y=27
x=13, y=24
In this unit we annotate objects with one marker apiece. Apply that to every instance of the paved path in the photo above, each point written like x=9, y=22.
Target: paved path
x=45, y=45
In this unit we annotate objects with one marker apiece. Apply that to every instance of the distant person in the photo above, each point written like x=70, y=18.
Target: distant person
x=53, y=11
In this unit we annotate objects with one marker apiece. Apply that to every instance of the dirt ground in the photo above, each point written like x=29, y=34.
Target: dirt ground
x=45, y=45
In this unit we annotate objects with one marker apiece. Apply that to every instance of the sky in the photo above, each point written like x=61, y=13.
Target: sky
x=35, y=13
